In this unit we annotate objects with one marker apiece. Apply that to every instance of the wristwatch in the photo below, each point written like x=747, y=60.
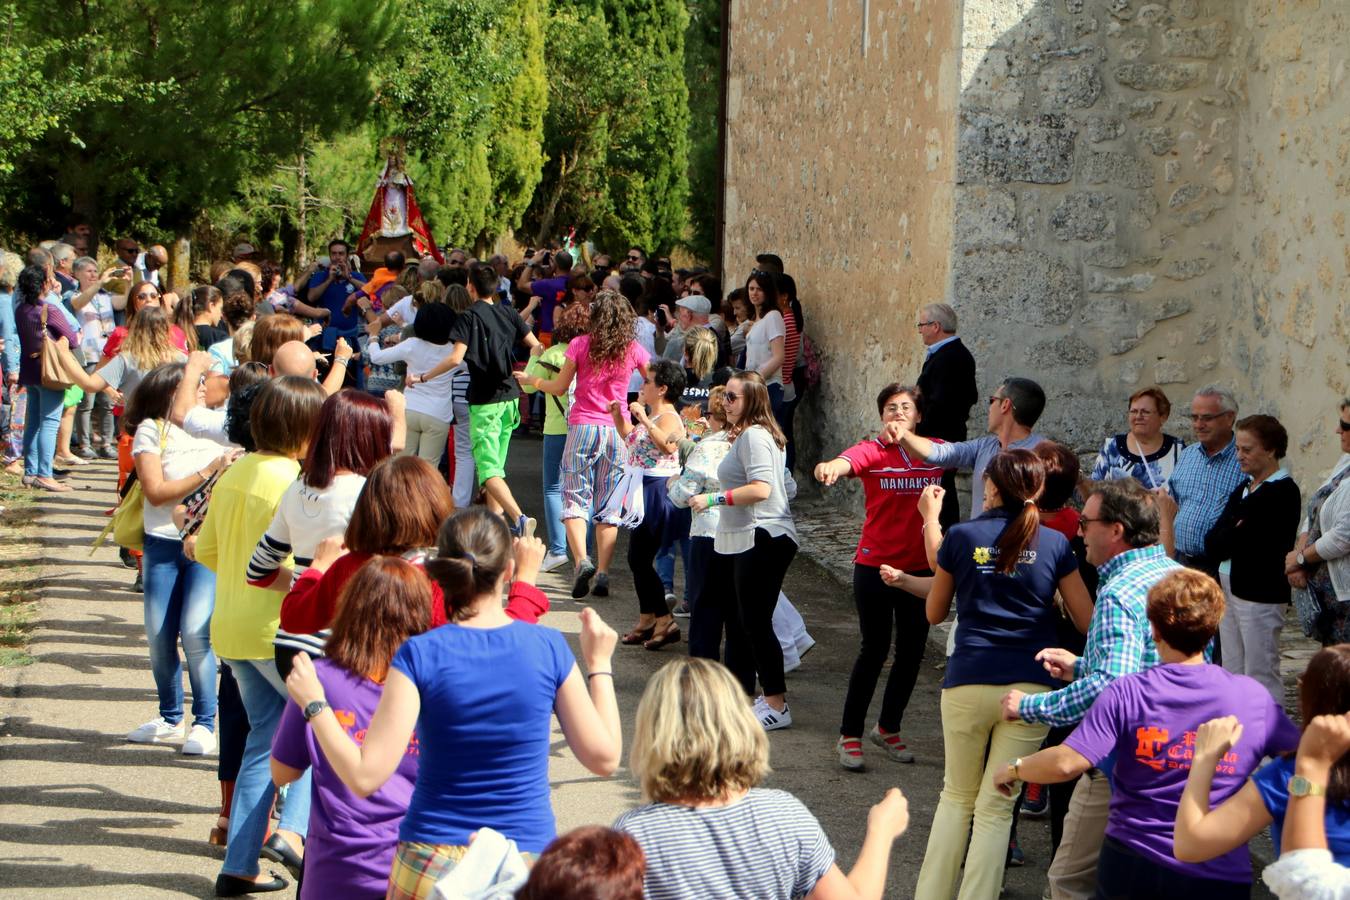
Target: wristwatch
x=313, y=709
x=1299, y=559
x=1016, y=765
x=1302, y=787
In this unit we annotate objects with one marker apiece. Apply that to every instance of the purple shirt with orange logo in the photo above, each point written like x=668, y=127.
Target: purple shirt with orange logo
x=1148, y=722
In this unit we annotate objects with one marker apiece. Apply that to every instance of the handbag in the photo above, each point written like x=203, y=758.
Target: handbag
x=57, y=359
x=127, y=525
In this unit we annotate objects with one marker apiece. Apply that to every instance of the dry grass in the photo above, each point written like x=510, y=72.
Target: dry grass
x=18, y=609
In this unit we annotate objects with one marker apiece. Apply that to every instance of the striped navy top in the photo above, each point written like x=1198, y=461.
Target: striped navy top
x=766, y=846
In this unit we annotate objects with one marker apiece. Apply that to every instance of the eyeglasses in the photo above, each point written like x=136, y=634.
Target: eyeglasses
x=995, y=399
x=731, y=396
x=892, y=408
x=1141, y=412
x=923, y=325
x=1084, y=520
x=1207, y=417
x=147, y=295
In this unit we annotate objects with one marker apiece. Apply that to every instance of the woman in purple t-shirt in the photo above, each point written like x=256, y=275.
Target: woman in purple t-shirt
x=352, y=838
x=593, y=459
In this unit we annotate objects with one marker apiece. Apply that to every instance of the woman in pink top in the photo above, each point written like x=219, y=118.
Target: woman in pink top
x=593, y=459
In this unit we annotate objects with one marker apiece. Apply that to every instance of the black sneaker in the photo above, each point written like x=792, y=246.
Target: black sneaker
x=139, y=586
x=582, y=586
x=127, y=559
x=601, y=588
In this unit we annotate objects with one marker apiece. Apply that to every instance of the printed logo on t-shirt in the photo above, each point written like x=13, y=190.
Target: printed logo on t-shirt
x=1153, y=750
x=986, y=558
x=347, y=719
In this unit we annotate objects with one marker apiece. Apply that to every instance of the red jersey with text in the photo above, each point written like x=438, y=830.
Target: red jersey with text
x=892, y=481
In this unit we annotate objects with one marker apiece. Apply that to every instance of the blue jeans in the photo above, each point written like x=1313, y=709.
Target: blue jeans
x=264, y=696
x=553, y=454
x=41, y=420
x=665, y=566
x=179, y=597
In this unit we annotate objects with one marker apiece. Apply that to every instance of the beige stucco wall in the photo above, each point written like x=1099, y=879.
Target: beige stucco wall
x=1291, y=273
x=840, y=159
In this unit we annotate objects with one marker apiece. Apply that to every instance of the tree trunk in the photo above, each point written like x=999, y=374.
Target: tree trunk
x=180, y=262
x=302, y=212
x=546, y=220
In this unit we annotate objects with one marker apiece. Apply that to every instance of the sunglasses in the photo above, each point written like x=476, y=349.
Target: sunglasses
x=731, y=396
x=1084, y=520
x=635, y=259
x=995, y=399
x=1345, y=426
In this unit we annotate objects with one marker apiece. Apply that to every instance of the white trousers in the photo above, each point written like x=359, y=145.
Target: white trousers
x=1250, y=637
x=790, y=629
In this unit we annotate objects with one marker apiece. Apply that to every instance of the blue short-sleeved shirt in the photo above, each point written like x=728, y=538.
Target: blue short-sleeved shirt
x=1273, y=783
x=335, y=297
x=1003, y=621
x=483, y=734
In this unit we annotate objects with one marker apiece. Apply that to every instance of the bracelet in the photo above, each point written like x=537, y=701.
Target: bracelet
x=204, y=478
x=728, y=499
x=1016, y=765
x=591, y=675
x=340, y=361
x=926, y=524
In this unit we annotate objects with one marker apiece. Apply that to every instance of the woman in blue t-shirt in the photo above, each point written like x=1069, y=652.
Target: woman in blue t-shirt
x=1203, y=833
x=1004, y=568
x=481, y=691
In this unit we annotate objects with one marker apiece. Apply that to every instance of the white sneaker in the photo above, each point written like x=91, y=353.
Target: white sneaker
x=156, y=731
x=553, y=561
x=200, y=741
x=770, y=718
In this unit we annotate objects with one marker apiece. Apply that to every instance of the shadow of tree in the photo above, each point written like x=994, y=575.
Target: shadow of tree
x=48, y=875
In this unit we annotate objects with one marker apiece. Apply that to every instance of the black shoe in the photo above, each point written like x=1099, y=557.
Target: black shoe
x=582, y=586
x=139, y=585
x=60, y=473
x=127, y=559
x=278, y=850
x=601, y=588
x=234, y=886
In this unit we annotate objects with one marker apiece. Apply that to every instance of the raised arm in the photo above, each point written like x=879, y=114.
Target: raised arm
x=1201, y=833
x=337, y=372
x=185, y=398
x=827, y=473
x=867, y=879
x=590, y=719
x=365, y=767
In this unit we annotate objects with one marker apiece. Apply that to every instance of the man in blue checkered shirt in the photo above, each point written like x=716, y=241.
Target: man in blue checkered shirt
x=1120, y=531
x=1206, y=474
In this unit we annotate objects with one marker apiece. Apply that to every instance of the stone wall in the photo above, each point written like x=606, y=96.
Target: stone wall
x=840, y=144
x=1291, y=259
x=1094, y=177
x=1112, y=193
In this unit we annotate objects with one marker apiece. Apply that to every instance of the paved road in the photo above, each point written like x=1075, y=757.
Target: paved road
x=82, y=813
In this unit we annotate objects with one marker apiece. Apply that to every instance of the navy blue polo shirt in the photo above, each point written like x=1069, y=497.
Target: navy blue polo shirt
x=335, y=297
x=1003, y=621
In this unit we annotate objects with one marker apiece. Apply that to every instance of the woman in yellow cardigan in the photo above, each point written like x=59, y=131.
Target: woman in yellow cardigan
x=245, y=621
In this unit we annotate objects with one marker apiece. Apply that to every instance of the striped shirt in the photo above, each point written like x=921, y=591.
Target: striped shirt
x=765, y=845
x=1119, y=638
x=1202, y=484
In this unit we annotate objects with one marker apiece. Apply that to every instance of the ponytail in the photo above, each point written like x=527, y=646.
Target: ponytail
x=473, y=550
x=1019, y=476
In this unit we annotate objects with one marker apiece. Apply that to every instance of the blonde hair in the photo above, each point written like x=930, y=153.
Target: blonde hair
x=457, y=298
x=696, y=738
x=243, y=339
x=700, y=345
x=717, y=405
x=148, y=342
x=429, y=292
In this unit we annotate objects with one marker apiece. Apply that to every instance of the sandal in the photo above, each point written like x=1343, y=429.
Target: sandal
x=670, y=636
x=638, y=636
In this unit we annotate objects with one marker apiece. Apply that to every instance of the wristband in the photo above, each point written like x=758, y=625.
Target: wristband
x=340, y=361
x=728, y=499
x=714, y=500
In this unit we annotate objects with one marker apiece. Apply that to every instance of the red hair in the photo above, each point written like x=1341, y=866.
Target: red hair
x=588, y=863
x=383, y=605
x=353, y=433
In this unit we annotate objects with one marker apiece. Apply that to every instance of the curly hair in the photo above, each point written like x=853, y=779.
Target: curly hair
x=613, y=327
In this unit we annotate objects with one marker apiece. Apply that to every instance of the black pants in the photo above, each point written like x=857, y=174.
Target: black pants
x=1122, y=873
x=950, y=513
x=712, y=602
x=881, y=608
x=757, y=575
x=643, y=546
x=231, y=726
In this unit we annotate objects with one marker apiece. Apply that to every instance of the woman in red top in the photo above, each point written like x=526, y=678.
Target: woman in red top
x=141, y=295
x=892, y=536
x=399, y=513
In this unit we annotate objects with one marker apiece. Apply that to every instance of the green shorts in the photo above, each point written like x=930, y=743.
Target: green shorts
x=490, y=427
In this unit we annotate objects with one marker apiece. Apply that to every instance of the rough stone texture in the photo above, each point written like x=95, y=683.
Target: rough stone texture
x=859, y=127
x=1138, y=192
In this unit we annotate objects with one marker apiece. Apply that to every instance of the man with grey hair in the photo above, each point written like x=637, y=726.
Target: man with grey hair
x=63, y=257
x=1205, y=475
x=96, y=307
x=947, y=390
x=427, y=267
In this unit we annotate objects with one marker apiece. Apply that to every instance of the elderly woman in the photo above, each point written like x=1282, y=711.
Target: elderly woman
x=1318, y=568
x=1143, y=453
x=1250, y=540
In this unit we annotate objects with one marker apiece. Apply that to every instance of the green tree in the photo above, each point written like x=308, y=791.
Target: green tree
x=703, y=75
x=466, y=92
x=649, y=178
x=211, y=93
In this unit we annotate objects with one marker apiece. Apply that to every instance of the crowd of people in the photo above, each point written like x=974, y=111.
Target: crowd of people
x=313, y=490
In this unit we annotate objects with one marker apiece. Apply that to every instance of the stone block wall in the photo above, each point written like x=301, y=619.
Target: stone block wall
x=840, y=151
x=1112, y=193
x=1095, y=171
x=1290, y=330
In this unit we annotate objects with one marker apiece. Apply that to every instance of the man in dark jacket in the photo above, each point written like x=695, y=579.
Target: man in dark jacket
x=947, y=383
